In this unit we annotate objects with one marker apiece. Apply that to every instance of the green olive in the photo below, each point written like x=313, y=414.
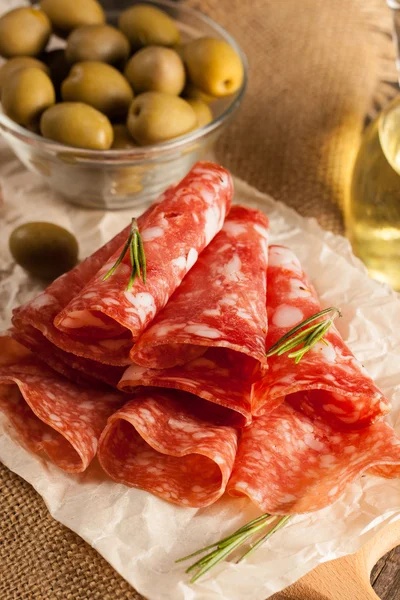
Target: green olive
x=43, y=249
x=156, y=117
x=213, y=66
x=98, y=42
x=99, y=85
x=77, y=124
x=26, y=94
x=156, y=69
x=146, y=25
x=122, y=138
x=202, y=110
x=59, y=67
x=67, y=15
x=24, y=32
x=17, y=64
x=191, y=91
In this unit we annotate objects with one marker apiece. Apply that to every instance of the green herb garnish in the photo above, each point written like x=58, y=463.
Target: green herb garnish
x=137, y=256
x=227, y=545
x=305, y=338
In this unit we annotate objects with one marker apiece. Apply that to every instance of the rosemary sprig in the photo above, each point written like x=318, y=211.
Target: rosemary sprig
x=134, y=244
x=227, y=545
x=301, y=340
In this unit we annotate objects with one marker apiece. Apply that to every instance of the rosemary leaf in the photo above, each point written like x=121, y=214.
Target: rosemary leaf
x=296, y=340
x=220, y=555
x=311, y=339
x=119, y=260
x=297, y=328
x=134, y=245
x=253, y=547
x=133, y=264
x=299, y=340
x=202, y=561
x=142, y=257
x=229, y=544
x=246, y=527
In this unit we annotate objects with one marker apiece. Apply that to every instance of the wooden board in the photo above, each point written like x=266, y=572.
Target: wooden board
x=346, y=578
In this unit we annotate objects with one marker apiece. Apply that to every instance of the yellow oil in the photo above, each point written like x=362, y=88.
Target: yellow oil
x=373, y=205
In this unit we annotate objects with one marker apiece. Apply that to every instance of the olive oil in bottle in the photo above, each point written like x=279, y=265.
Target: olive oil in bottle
x=373, y=205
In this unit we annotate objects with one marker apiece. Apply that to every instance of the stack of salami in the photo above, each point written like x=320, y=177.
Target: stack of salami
x=168, y=382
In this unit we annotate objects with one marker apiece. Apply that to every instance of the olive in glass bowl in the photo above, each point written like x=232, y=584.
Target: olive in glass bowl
x=125, y=175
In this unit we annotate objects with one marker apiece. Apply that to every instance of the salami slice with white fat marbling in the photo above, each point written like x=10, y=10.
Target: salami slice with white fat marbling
x=40, y=312
x=50, y=414
x=215, y=376
x=77, y=369
x=328, y=380
x=175, y=232
x=290, y=463
x=220, y=303
x=166, y=444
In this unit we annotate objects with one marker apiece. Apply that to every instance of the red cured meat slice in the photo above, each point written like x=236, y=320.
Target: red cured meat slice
x=77, y=369
x=220, y=303
x=389, y=471
x=289, y=463
x=337, y=386
x=51, y=414
x=165, y=444
x=174, y=234
x=41, y=311
x=212, y=376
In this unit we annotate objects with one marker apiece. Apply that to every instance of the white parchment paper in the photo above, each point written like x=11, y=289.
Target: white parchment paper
x=140, y=535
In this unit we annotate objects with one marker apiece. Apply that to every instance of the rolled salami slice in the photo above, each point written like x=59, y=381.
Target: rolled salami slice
x=164, y=443
x=215, y=376
x=174, y=233
x=50, y=414
x=289, y=463
x=220, y=303
x=328, y=380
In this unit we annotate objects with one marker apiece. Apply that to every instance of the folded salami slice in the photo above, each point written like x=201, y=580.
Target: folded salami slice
x=40, y=312
x=328, y=380
x=164, y=443
x=215, y=376
x=289, y=463
x=50, y=413
x=221, y=302
x=77, y=369
x=174, y=233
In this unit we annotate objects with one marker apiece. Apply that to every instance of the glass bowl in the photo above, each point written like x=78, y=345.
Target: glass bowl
x=116, y=179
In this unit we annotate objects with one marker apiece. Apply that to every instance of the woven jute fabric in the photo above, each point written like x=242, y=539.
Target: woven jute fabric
x=314, y=70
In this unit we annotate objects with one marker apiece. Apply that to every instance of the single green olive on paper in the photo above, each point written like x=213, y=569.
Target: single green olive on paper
x=44, y=250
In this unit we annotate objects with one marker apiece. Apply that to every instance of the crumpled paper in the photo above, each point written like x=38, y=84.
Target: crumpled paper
x=141, y=536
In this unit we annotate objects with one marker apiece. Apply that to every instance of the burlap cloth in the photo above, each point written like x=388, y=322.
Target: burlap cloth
x=315, y=68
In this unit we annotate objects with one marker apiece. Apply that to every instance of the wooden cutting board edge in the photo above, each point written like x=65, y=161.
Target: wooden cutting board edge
x=346, y=578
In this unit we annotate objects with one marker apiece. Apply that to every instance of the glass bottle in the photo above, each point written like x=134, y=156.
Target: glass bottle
x=372, y=211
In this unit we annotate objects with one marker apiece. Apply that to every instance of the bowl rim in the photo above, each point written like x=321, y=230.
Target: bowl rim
x=141, y=152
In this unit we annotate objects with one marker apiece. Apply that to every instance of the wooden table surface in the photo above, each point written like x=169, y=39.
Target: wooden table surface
x=385, y=577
